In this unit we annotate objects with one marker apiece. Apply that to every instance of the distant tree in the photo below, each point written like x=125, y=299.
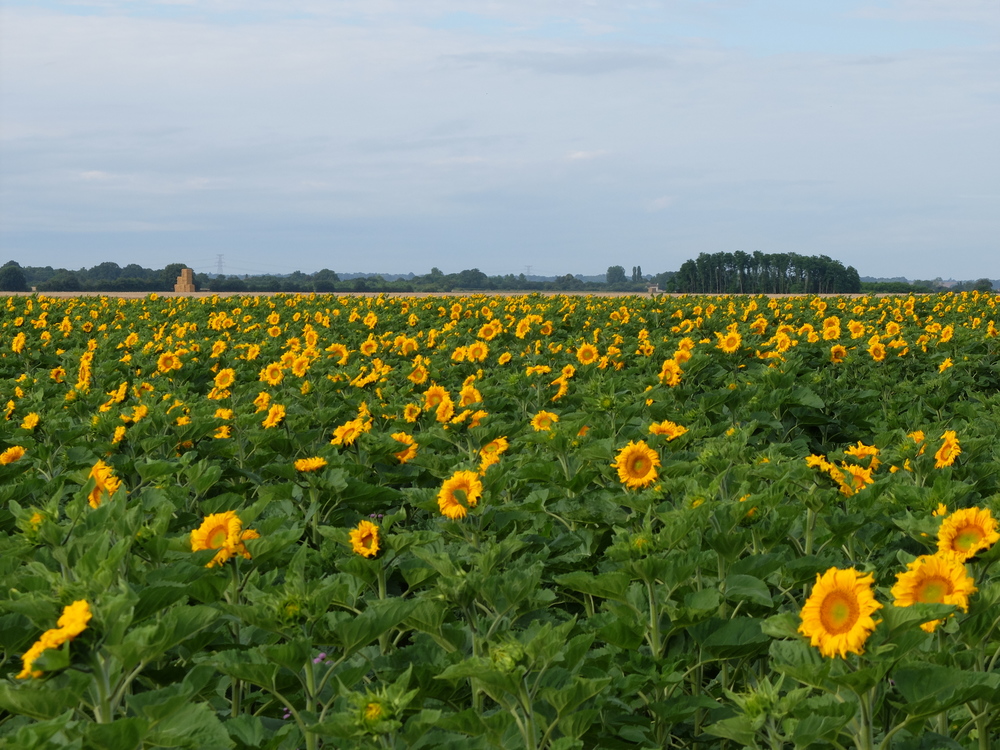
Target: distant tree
x=12, y=278
x=568, y=283
x=325, y=280
x=616, y=275
x=636, y=274
x=983, y=285
x=104, y=272
x=168, y=276
x=473, y=279
x=63, y=281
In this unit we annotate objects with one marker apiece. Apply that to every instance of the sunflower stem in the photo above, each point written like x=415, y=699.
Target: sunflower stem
x=810, y=530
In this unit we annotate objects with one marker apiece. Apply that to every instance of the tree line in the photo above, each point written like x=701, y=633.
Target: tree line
x=764, y=273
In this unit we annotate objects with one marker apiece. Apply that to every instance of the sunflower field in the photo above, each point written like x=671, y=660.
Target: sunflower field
x=500, y=522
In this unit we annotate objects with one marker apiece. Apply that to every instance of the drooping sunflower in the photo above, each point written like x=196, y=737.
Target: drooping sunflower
x=937, y=579
x=71, y=623
x=410, y=451
x=670, y=373
x=949, y=450
x=105, y=483
x=12, y=454
x=490, y=453
x=837, y=616
x=543, y=421
x=347, y=433
x=274, y=416
x=223, y=532
x=365, y=539
x=668, y=428
x=310, y=464
x=458, y=493
x=636, y=464
x=967, y=532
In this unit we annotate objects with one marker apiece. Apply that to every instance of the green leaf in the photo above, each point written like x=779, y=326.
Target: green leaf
x=737, y=728
x=741, y=636
x=930, y=689
x=748, y=588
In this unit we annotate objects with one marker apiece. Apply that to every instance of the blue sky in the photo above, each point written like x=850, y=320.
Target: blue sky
x=564, y=135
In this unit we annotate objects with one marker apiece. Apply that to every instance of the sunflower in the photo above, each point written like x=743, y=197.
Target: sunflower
x=223, y=532
x=504, y=358
x=877, y=351
x=310, y=464
x=105, y=482
x=30, y=421
x=364, y=539
x=12, y=454
x=543, y=421
x=853, y=478
x=587, y=354
x=410, y=451
x=477, y=351
x=411, y=412
x=838, y=353
x=490, y=453
x=729, y=342
x=967, y=532
x=936, y=579
x=225, y=378
x=837, y=616
x=670, y=372
x=462, y=489
x=274, y=416
x=857, y=329
x=168, y=361
x=948, y=451
x=445, y=410
x=668, y=428
x=433, y=397
x=272, y=374
x=636, y=464
x=71, y=623
x=348, y=432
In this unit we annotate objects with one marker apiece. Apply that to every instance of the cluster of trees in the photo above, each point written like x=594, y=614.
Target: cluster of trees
x=104, y=277
x=925, y=287
x=436, y=281
x=764, y=273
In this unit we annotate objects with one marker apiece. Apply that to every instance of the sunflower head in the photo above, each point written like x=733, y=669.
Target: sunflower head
x=459, y=492
x=965, y=533
x=365, y=539
x=636, y=464
x=837, y=616
x=543, y=421
x=934, y=579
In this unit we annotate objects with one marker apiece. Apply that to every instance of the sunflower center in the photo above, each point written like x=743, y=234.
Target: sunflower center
x=640, y=466
x=217, y=537
x=933, y=590
x=839, y=612
x=367, y=540
x=967, y=538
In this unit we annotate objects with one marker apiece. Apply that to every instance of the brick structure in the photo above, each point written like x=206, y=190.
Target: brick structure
x=185, y=282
